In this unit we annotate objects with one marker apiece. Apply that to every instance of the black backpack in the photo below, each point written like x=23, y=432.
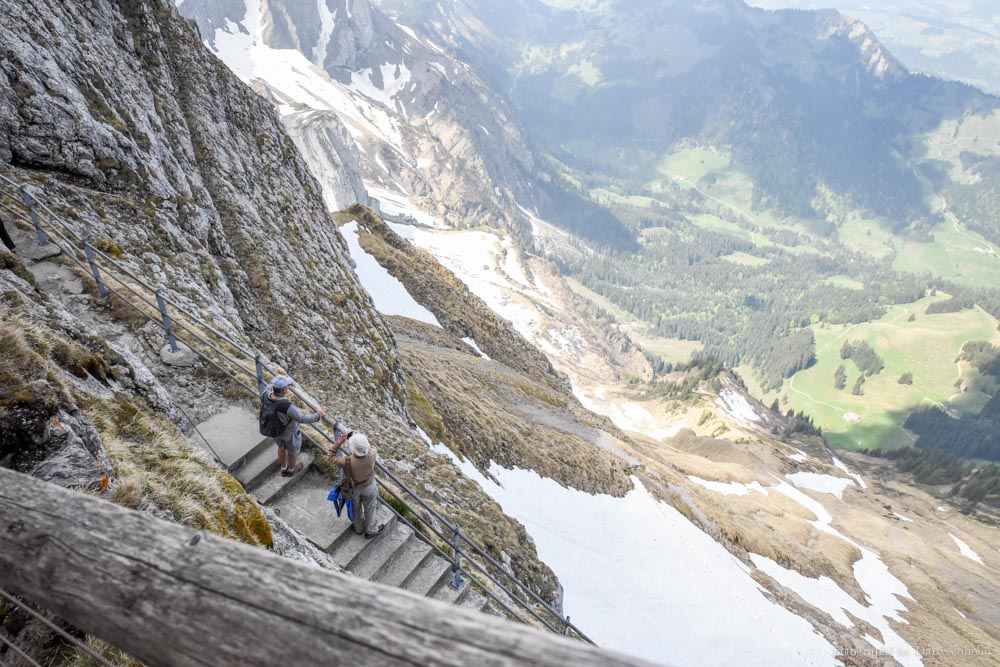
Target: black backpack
x=270, y=425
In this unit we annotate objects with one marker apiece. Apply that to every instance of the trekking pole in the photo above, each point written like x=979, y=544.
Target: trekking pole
x=29, y=202
x=162, y=305
x=456, y=568
x=88, y=250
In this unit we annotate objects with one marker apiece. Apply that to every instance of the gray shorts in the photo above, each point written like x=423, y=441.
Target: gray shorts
x=294, y=446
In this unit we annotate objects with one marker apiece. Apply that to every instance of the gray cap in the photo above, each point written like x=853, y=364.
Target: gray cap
x=282, y=381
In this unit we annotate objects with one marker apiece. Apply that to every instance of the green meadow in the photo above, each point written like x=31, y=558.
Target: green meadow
x=926, y=347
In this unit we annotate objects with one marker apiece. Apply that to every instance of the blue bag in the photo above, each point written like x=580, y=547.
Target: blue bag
x=340, y=501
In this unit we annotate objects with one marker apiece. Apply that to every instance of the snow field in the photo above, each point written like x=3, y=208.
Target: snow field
x=737, y=406
x=388, y=294
x=853, y=475
x=641, y=579
x=396, y=203
x=882, y=589
x=472, y=343
x=730, y=488
x=822, y=483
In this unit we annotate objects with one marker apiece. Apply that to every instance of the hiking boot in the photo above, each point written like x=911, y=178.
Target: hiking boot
x=369, y=536
x=291, y=472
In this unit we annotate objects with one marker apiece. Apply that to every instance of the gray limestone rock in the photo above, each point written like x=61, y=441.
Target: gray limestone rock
x=183, y=356
x=78, y=459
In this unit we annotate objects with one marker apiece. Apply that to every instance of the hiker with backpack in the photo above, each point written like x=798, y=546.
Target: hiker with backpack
x=280, y=419
x=358, y=463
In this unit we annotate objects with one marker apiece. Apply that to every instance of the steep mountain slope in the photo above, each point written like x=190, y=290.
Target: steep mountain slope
x=810, y=101
x=135, y=133
x=823, y=540
x=948, y=40
x=427, y=127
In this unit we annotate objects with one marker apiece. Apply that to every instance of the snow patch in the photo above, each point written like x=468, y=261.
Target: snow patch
x=853, y=475
x=625, y=415
x=966, y=550
x=822, y=483
x=388, y=294
x=472, y=343
x=737, y=405
x=398, y=204
x=881, y=587
x=729, y=489
x=902, y=518
x=640, y=578
x=326, y=20
x=297, y=82
x=394, y=80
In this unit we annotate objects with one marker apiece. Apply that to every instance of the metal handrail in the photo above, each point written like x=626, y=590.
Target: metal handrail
x=456, y=539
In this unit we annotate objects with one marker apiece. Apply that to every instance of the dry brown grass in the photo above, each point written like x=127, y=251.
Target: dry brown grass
x=155, y=464
x=491, y=413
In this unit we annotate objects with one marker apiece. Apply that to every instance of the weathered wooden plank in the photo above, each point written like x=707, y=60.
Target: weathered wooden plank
x=170, y=595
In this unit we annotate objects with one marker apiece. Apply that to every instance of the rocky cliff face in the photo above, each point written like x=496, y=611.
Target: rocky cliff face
x=193, y=177
x=138, y=135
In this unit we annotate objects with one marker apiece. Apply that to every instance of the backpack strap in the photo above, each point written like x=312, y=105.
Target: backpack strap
x=347, y=484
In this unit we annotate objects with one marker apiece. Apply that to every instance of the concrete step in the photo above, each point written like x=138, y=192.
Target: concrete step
x=266, y=444
x=351, y=549
x=375, y=556
x=452, y=594
x=307, y=510
x=269, y=488
x=406, y=559
x=234, y=434
x=475, y=600
x=258, y=464
x=432, y=572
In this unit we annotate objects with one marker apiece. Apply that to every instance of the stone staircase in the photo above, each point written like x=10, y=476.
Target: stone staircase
x=398, y=556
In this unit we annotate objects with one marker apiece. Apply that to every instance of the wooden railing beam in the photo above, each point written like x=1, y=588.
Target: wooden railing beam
x=173, y=596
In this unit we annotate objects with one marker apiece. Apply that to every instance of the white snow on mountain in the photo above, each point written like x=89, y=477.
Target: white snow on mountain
x=822, y=483
x=389, y=295
x=882, y=589
x=399, y=205
x=737, y=406
x=729, y=488
x=855, y=476
x=626, y=415
x=640, y=578
x=296, y=82
x=966, y=550
x=393, y=77
x=472, y=343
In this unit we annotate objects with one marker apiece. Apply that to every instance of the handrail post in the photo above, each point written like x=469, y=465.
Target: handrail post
x=566, y=629
x=162, y=305
x=456, y=567
x=88, y=250
x=29, y=202
x=260, y=373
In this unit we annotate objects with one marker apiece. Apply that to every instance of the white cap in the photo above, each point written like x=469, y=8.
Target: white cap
x=359, y=444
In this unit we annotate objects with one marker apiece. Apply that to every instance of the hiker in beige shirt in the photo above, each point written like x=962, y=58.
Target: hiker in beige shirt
x=358, y=462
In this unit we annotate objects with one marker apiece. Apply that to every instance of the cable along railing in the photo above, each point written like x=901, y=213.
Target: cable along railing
x=244, y=365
